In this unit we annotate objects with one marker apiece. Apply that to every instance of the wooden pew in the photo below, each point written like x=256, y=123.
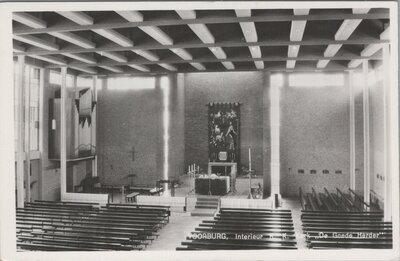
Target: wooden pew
x=55, y=226
x=234, y=246
x=244, y=229
x=77, y=243
x=350, y=244
x=346, y=229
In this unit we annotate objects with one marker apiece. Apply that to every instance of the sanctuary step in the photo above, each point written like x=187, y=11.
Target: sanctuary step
x=205, y=206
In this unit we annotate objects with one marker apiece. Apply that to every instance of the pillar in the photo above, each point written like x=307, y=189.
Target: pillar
x=388, y=129
x=366, y=133
x=20, y=129
x=275, y=138
x=63, y=132
x=94, y=128
x=266, y=135
x=352, y=133
x=27, y=140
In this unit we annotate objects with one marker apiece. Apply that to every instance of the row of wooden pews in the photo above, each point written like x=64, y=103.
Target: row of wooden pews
x=336, y=221
x=334, y=201
x=71, y=226
x=244, y=229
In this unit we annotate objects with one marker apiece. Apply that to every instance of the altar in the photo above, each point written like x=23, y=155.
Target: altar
x=225, y=165
x=229, y=169
x=212, y=185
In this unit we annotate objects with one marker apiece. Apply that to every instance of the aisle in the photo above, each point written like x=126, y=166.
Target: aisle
x=179, y=227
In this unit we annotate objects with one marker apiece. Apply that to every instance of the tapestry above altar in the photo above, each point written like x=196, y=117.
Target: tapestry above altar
x=224, y=132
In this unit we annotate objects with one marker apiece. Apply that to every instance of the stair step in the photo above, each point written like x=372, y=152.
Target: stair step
x=203, y=212
x=206, y=207
x=207, y=203
x=213, y=199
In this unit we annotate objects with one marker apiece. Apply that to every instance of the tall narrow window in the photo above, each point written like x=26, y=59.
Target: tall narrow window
x=34, y=85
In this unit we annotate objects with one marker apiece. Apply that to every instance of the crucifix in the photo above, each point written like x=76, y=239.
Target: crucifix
x=132, y=152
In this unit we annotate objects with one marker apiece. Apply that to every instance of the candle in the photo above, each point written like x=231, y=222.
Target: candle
x=249, y=159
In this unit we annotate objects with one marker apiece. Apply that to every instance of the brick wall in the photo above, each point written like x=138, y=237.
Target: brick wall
x=359, y=139
x=243, y=87
x=314, y=136
x=129, y=118
x=377, y=181
x=134, y=118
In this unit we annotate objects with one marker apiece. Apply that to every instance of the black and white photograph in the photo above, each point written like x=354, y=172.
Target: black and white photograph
x=186, y=130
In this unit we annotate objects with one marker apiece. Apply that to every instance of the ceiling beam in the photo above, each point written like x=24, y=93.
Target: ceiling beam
x=204, y=34
x=86, y=70
x=36, y=41
x=75, y=39
x=370, y=49
x=141, y=68
x=36, y=23
x=114, y=56
x=250, y=34
x=271, y=42
x=296, y=34
x=167, y=66
x=29, y=20
x=111, y=69
x=214, y=20
x=147, y=54
x=78, y=17
x=110, y=34
x=331, y=68
x=115, y=37
x=154, y=32
x=345, y=30
x=81, y=57
x=49, y=59
x=84, y=19
x=232, y=59
x=18, y=48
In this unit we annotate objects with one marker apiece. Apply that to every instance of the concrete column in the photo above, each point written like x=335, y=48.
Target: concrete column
x=63, y=134
x=367, y=166
x=27, y=140
x=20, y=124
x=387, y=141
x=94, y=124
x=352, y=133
x=275, y=139
x=266, y=135
x=41, y=129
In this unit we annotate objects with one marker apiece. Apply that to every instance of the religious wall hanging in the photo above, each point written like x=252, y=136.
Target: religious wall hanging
x=224, y=132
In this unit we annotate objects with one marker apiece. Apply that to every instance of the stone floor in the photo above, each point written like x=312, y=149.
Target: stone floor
x=182, y=224
x=176, y=231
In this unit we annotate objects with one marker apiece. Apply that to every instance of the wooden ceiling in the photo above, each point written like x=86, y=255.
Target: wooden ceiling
x=159, y=42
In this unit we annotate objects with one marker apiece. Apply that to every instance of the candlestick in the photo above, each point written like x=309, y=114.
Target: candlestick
x=249, y=159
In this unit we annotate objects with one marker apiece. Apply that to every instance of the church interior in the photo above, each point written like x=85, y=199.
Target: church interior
x=204, y=129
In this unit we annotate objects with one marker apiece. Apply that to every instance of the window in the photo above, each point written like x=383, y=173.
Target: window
x=315, y=80
x=34, y=85
x=277, y=79
x=55, y=77
x=85, y=82
x=31, y=80
x=131, y=83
